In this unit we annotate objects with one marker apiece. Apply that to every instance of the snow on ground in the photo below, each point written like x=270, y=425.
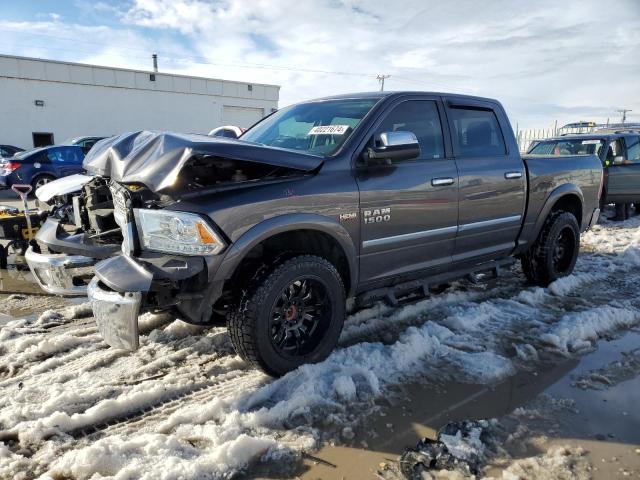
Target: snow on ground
x=556, y=462
x=184, y=404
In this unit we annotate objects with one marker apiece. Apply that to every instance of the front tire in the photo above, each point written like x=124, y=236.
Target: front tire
x=555, y=251
x=289, y=315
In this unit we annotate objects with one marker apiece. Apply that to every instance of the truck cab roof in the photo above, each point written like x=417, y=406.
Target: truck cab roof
x=401, y=93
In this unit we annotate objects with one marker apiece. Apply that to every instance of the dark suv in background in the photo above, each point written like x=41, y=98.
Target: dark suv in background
x=619, y=152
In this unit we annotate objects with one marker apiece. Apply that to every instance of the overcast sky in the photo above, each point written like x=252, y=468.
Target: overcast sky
x=545, y=60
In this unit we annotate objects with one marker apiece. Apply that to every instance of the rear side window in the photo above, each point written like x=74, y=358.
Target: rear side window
x=476, y=132
x=420, y=117
x=633, y=149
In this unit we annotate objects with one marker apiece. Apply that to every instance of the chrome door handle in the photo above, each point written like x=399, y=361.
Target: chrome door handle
x=509, y=175
x=439, y=182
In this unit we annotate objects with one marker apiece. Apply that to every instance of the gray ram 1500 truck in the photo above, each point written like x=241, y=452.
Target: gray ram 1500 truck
x=366, y=196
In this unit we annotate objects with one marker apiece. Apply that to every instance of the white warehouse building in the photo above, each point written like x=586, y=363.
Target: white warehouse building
x=44, y=101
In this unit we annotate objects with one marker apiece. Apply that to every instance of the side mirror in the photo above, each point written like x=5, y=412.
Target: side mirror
x=618, y=160
x=393, y=146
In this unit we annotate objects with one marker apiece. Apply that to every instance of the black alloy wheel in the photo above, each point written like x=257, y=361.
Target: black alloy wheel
x=300, y=316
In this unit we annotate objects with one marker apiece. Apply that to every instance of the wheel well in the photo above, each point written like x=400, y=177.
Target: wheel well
x=295, y=242
x=570, y=203
x=35, y=176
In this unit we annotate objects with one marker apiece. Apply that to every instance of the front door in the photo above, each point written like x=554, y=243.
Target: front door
x=492, y=181
x=623, y=171
x=409, y=209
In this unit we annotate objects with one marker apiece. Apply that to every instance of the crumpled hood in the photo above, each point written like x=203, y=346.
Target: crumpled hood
x=156, y=158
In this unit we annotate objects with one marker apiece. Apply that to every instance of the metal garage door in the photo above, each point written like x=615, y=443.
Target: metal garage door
x=241, y=116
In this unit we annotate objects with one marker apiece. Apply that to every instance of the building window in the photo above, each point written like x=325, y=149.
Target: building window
x=250, y=88
x=42, y=139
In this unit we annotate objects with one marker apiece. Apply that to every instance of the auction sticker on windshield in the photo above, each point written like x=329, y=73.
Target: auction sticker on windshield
x=329, y=130
x=591, y=142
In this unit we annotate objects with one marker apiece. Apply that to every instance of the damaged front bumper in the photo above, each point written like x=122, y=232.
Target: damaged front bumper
x=60, y=274
x=124, y=287
x=69, y=271
x=116, y=315
x=115, y=294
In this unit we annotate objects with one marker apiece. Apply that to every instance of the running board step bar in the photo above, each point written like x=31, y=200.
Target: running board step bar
x=394, y=295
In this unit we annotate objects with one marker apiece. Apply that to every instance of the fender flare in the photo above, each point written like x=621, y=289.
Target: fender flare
x=287, y=223
x=552, y=199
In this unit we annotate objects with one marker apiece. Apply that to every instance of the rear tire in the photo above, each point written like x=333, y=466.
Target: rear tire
x=290, y=314
x=555, y=251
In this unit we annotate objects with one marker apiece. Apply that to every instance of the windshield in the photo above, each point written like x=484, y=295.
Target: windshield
x=575, y=146
x=319, y=128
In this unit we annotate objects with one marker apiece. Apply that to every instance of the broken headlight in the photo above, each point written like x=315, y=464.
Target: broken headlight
x=177, y=232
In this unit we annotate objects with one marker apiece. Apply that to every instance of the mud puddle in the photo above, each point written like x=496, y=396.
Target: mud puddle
x=21, y=296
x=547, y=407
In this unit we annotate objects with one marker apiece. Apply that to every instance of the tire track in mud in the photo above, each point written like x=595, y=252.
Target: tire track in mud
x=224, y=385
x=12, y=371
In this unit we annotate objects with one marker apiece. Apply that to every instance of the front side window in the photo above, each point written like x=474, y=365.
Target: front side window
x=319, y=128
x=422, y=119
x=614, y=150
x=476, y=132
x=633, y=149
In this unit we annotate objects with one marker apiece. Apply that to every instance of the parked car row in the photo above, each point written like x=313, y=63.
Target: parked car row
x=41, y=165
x=367, y=197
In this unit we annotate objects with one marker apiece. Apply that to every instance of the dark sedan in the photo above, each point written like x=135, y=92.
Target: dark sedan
x=41, y=165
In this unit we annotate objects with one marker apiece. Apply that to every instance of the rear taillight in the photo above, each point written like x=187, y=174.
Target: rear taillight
x=601, y=189
x=10, y=166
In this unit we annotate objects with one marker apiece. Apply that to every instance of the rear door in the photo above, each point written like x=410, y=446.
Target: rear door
x=623, y=171
x=492, y=192
x=409, y=209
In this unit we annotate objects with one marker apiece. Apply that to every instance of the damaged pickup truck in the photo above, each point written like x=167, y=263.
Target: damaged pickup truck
x=373, y=196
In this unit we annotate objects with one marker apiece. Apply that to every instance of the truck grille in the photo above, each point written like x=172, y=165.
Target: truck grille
x=119, y=196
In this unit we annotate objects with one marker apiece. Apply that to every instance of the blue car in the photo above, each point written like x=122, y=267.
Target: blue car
x=41, y=165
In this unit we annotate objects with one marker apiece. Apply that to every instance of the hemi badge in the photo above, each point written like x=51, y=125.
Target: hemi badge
x=345, y=217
